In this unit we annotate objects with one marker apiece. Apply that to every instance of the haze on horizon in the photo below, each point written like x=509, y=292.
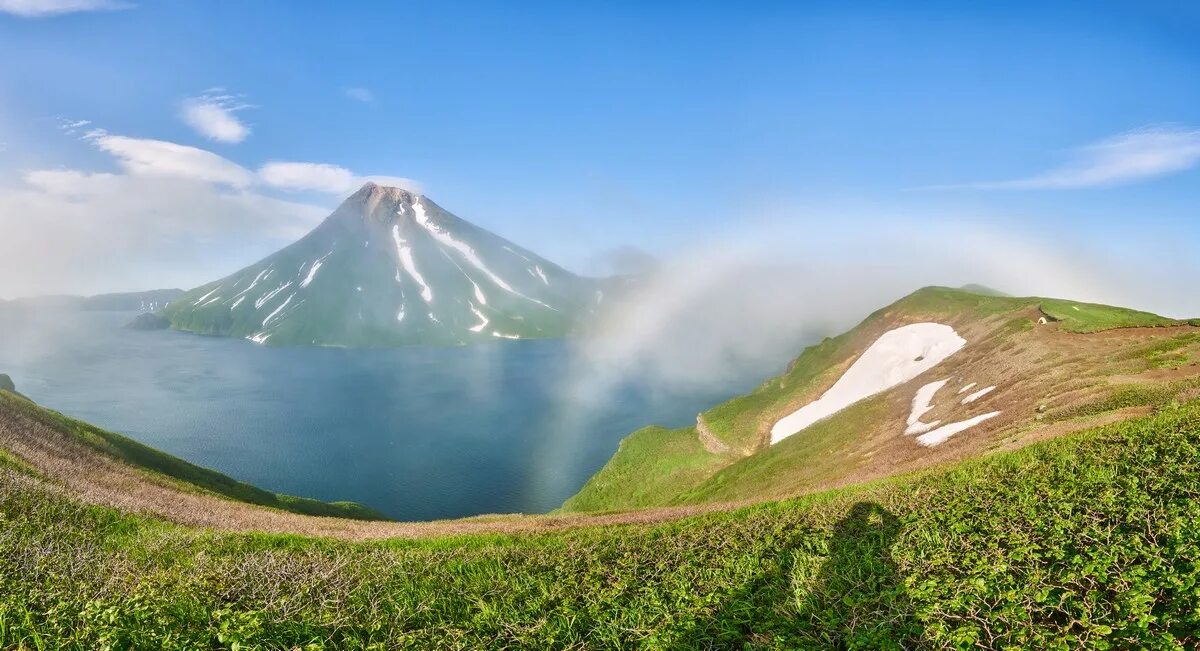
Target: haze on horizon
x=838, y=156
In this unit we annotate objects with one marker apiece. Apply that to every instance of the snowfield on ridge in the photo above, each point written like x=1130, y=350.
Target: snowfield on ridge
x=895, y=358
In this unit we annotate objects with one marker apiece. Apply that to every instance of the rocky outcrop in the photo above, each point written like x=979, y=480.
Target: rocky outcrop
x=708, y=439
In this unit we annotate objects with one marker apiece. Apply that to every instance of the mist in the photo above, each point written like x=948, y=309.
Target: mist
x=735, y=309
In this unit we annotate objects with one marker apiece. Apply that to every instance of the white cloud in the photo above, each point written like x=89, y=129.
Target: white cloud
x=306, y=176
x=212, y=116
x=146, y=157
x=71, y=127
x=42, y=8
x=69, y=183
x=1125, y=158
x=71, y=231
x=322, y=177
x=360, y=94
x=171, y=215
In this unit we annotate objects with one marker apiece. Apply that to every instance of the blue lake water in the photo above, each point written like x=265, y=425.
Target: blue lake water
x=416, y=433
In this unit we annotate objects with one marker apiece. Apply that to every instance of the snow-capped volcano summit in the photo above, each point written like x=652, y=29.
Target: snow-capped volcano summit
x=390, y=267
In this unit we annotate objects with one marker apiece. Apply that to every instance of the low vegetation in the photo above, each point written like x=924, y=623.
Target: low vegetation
x=1092, y=540
x=1089, y=317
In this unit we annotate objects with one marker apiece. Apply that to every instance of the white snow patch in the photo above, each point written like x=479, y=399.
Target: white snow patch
x=541, y=274
x=966, y=388
x=237, y=303
x=262, y=300
x=922, y=404
x=465, y=249
x=312, y=271
x=483, y=320
x=504, y=336
x=400, y=314
x=410, y=265
x=517, y=253
x=977, y=395
x=278, y=309
x=242, y=294
x=895, y=358
x=944, y=432
x=479, y=296
x=260, y=337
x=207, y=295
x=211, y=300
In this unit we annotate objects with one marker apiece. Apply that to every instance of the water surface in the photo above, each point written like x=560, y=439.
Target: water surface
x=417, y=433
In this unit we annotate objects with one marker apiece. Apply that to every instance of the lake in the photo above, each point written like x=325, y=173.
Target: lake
x=416, y=433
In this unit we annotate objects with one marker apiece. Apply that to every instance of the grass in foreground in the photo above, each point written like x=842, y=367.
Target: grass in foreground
x=1089, y=541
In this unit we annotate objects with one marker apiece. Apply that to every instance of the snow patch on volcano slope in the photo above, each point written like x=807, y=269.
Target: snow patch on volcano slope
x=922, y=404
x=895, y=358
x=463, y=248
x=312, y=271
x=410, y=266
x=201, y=299
x=278, y=309
x=468, y=253
x=241, y=296
x=483, y=320
x=977, y=395
x=944, y=432
x=262, y=300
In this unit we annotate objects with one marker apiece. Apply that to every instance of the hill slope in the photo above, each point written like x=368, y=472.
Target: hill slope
x=1087, y=540
x=122, y=302
x=1026, y=369
x=390, y=267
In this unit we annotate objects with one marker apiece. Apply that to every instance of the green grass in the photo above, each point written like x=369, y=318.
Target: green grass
x=1126, y=396
x=796, y=464
x=1090, y=541
x=651, y=466
x=1090, y=317
x=153, y=460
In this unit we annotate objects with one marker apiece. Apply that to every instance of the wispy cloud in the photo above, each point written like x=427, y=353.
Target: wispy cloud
x=322, y=177
x=359, y=94
x=44, y=8
x=212, y=115
x=1125, y=158
x=147, y=157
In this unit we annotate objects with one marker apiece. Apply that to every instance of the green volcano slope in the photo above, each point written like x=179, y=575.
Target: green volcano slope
x=1088, y=541
x=390, y=268
x=1056, y=366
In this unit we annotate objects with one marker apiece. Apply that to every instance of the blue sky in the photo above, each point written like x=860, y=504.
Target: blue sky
x=577, y=128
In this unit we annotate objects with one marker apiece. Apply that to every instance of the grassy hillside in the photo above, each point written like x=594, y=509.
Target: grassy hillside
x=1089, y=317
x=1059, y=366
x=1085, y=541
x=141, y=456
